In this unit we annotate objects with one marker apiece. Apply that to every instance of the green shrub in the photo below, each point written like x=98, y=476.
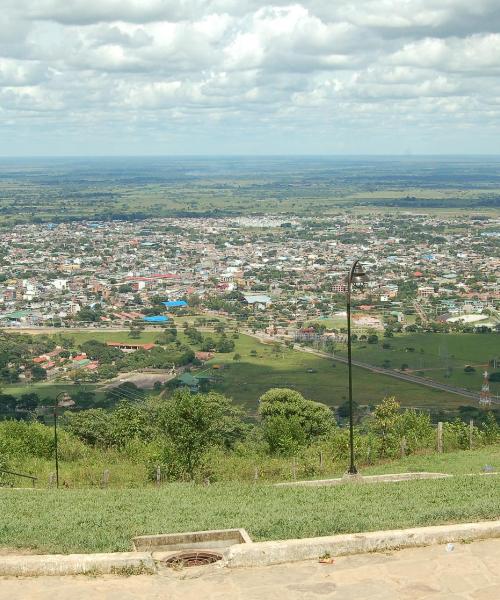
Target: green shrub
x=23, y=439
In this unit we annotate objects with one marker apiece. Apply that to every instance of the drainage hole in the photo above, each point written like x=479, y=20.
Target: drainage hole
x=192, y=559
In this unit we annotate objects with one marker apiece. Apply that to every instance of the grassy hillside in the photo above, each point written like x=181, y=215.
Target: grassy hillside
x=316, y=378
x=438, y=356
x=105, y=520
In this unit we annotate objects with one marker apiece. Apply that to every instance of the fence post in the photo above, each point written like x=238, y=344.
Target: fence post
x=440, y=437
x=294, y=468
x=105, y=478
x=52, y=479
x=321, y=459
x=403, y=447
x=158, y=475
x=471, y=433
x=256, y=474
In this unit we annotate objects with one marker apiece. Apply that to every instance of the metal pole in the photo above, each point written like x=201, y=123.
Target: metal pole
x=352, y=468
x=55, y=446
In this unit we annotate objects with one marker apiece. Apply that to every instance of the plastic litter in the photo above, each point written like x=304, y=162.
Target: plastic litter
x=450, y=547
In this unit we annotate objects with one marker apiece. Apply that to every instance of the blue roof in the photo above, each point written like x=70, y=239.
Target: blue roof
x=175, y=303
x=156, y=319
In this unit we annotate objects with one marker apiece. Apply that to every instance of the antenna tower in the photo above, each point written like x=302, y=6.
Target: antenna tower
x=485, y=395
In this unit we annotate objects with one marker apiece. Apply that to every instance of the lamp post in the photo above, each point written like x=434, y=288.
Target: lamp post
x=356, y=277
x=62, y=400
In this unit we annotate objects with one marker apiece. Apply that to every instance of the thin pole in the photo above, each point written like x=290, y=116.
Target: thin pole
x=352, y=468
x=55, y=446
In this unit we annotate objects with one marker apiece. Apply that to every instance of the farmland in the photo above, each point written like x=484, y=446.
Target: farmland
x=63, y=190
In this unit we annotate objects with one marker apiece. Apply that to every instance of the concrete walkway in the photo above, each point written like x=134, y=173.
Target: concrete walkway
x=470, y=571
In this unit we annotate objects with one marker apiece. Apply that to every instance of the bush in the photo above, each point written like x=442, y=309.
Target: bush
x=19, y=439
x=313, y=418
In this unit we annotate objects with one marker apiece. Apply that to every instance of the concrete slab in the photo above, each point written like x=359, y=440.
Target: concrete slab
x=212, y=539
x=255, y=554
x=410, y=574
x=385, y=478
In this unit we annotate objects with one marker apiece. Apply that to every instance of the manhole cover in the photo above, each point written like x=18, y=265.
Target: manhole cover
x=192, y=558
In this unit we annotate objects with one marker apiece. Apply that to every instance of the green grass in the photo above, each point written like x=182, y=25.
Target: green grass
x=48, y=389
x=456, y=463
x=106, y=520
x=434, y=354
x=248, y=379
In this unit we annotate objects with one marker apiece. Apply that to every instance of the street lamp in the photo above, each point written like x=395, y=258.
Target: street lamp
x=356, y=278
x=63, y=400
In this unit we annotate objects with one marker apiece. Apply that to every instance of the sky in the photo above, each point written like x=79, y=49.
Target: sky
x=139, y=77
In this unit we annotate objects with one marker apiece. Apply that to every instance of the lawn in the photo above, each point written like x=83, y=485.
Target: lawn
x=105, y=520
x=48, y=389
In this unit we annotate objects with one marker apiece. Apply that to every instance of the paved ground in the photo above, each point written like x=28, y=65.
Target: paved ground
x=470, y=571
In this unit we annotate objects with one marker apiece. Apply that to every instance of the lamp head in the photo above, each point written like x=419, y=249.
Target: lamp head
x=359, y=277
x=65, y=400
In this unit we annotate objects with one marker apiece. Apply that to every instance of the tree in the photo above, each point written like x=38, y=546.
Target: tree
x=193, y=423
x=306, y=419
x=28, y=401
x=102, y=352
x=224, y=345
x=134, y=333
x=343, y=409
x=386, y=416
x=38, y=373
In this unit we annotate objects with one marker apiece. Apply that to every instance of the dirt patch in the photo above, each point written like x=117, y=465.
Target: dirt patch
x=16, y=551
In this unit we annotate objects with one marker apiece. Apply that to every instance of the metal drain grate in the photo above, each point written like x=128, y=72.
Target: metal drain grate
x=192, y=558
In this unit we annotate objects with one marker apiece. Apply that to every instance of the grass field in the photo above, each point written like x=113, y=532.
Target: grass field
x=247, y=379
x=96, y=520
x=441, y=357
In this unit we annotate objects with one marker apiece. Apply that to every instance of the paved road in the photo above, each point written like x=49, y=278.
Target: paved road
x=469, y=572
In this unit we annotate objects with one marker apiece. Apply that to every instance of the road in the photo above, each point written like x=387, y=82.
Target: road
x=467, y=572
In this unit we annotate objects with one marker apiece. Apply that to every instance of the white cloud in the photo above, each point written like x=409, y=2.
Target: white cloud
x=245, y=65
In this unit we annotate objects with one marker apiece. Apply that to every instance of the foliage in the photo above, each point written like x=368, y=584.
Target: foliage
x=193, y=423
x=291, y=421
x=24, y=439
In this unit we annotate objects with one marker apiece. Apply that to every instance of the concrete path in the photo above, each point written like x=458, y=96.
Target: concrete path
x=469, y=572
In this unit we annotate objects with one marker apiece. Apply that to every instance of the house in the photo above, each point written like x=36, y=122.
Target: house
x=129, y=347
x=156, y=319
x=175, y=304
x=204, y=356
x=257, y=300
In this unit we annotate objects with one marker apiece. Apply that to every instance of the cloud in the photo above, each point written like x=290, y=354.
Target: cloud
x=191, y=68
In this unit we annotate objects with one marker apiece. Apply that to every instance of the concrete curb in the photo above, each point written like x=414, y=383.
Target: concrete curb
x=125, y=563
x=272, y=553
x=256, y=554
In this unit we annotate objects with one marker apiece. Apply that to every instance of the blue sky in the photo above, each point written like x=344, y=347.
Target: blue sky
x=249, y=77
